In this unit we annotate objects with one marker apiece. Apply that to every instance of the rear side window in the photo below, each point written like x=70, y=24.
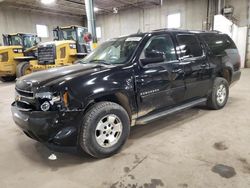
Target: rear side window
x=218, y=43
x=189, y=46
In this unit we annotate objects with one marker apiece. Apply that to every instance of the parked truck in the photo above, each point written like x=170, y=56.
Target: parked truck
x=68, y=46
x=129, y=80
x=18, y=50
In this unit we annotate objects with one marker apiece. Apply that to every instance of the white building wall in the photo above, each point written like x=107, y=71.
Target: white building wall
x=193, y=14
x=16, y=20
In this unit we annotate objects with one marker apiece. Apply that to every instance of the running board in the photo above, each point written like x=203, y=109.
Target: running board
x=148, y=119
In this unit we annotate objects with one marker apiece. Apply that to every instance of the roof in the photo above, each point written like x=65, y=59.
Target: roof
x=70, y=26
x=20, y=33
x=158, y=31
x=184, y=30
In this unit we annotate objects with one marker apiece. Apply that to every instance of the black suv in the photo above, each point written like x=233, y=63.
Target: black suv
x=125, y=81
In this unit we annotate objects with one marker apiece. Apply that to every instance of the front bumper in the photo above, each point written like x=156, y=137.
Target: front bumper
x=57, y=127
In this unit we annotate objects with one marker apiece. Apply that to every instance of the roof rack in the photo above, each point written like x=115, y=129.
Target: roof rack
x=185, y=30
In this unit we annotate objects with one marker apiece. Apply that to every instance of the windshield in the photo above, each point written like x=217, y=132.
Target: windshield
x=69, y=34
x=15, y=40
x=115, y=51
x=29, y=41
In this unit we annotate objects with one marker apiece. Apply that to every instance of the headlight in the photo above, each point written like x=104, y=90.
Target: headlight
x=72, y=46
x=48, y=99
x=18, y=50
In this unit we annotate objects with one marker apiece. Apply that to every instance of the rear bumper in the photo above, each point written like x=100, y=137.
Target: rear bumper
x=236, y=77
x=59, y=128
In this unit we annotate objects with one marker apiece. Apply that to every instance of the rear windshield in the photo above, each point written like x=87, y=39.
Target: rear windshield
x=218, y=43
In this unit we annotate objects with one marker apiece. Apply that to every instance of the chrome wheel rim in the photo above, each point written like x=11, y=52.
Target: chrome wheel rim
x=221, y=94
x=108, y=130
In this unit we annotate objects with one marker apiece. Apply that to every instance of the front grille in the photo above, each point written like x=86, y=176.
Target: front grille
x=25, y=100
x=23, y=93
x=24, y=105
x=46, y=55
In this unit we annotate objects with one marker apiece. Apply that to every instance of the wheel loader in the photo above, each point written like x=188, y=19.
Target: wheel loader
x=18, y=50
x=68, y=46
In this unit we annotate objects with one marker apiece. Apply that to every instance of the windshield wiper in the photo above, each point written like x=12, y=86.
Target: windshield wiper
x=99, y=61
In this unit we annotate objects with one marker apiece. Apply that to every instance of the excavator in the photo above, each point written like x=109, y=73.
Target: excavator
x=18, y=50
x=68, y=46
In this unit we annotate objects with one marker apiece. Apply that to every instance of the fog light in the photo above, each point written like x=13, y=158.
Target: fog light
x=45, y=106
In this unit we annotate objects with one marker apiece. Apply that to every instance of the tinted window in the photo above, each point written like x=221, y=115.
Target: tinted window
x=218, y=43
x=189, y=46
x=160, y=45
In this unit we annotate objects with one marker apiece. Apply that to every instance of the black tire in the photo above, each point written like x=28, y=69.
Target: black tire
x=7, y=78
x=214, y=101
x=22, y=68
x=87, y=138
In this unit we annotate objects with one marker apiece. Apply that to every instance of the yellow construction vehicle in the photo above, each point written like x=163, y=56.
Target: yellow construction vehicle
x=15, y=55
x=68, y=46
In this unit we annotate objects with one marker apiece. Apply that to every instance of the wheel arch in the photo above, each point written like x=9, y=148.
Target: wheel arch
x=226, y=73
x=117, y=97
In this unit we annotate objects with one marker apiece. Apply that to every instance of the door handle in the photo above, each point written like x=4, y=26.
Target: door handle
x=178, y=71
x=204, y=65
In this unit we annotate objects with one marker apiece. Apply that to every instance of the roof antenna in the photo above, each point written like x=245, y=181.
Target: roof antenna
x=139, y=31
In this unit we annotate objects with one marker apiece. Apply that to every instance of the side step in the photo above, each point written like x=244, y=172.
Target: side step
x=150, y=118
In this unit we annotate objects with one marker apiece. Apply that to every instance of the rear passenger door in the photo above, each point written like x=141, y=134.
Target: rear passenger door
x=195, y=62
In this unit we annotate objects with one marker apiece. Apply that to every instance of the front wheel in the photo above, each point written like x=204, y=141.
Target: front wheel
x=22, y=69
x=104, y=130
x=219, y=95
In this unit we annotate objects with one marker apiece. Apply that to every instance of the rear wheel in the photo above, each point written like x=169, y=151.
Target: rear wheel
x=7, y=78
x=219, y=95
x=104, y=130
x=22, y=69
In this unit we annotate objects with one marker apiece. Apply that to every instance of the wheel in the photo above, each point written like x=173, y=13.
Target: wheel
x=219, y=95
x=104, y=130
x=22, y=69
x=7, y=78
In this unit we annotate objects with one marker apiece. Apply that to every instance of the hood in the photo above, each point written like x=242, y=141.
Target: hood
x=56, y=75
x=9, y=47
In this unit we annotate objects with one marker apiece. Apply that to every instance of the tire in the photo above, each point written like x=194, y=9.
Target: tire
x=219, y=95
x=94, y=139
x=22, y=69
x=7, y=78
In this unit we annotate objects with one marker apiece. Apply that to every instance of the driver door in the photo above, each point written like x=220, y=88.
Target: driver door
x=156, y=79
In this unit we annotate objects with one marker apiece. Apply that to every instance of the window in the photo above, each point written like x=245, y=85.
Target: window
x=160, y=45
x=42, y=31
x=29, y=41
x=114, y=51
x=98, y=32
x=218, y=43
x=174, y=20
x=189, y=46
x=81, y=32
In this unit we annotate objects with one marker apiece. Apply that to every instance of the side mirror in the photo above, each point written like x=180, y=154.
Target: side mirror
x=147, y=61
x=152, y=57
